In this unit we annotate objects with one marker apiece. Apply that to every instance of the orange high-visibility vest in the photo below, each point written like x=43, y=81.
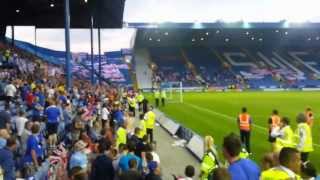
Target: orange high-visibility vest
x=244, y=122
x=275, y=121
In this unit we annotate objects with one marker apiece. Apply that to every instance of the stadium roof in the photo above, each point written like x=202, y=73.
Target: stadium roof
x=269, y=37
x=50, y=13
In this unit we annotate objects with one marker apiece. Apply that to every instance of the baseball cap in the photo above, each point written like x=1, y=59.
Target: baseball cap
x=78, y=159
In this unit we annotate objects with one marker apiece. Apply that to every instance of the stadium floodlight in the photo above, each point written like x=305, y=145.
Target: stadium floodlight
x=309, y=39
x=159, y=40
x=51, y=5
x=317, y=38
x=197, y=25
x=260, y=39
x=285, y=23
x=85, y=1
x=277, y=30
x=17, y=10
x=227, y=40
x=150, y=39
x=252, y=38
x=246, y=25
x=286, y=33
x=207, y=33
x=202, y=39
x=166, y=33
x=247, y=33
x=193, y=40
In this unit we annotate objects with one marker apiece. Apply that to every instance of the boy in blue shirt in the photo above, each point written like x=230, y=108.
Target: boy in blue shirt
x=240, y=169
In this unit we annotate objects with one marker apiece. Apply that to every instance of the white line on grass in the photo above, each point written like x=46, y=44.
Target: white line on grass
x=229, y=117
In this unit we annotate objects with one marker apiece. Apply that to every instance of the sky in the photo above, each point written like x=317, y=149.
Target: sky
x=175, y=11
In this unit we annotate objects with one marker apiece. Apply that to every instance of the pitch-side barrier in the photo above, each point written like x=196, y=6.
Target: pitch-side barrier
x=194, y=145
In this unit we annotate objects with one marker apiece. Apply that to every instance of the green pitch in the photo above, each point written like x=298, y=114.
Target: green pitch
x=215, y=114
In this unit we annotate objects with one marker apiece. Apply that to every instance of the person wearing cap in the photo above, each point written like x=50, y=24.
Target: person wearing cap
x=304, y=137
x=79, y=158
x=154, y=171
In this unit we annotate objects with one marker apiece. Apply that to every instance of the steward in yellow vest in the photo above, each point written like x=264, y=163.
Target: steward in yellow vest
x=150, y=118
x=142, y=126
x=132, y=105
x=163, y=97
x=285, y=136
x=303, y=135
x=157, y=97
x=290, y=164
x=140, y=99
x=121, y=135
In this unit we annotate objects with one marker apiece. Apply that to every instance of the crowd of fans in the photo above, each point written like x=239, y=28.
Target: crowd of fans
x=91, y=132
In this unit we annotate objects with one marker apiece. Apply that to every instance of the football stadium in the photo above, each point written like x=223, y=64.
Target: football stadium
x=151, y=90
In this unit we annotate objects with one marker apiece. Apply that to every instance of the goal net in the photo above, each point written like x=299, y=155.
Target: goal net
x=174, y=91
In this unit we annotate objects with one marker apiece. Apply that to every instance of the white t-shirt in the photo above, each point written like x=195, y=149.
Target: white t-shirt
x=20, y=122
x=51, y=93
x=156, y=157
x=105, y=113
x=10, y=90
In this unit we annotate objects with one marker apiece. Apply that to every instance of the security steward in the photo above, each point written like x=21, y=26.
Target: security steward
x=244, y=123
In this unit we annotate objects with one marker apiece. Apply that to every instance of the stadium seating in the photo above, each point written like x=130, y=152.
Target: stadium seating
x=170, y=64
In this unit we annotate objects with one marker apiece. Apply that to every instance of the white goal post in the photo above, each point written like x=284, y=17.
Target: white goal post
x=174, y=91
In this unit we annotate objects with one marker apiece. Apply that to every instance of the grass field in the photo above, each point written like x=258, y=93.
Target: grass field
x=215, y=114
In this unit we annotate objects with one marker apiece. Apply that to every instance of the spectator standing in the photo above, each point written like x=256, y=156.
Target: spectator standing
x=104, y=115
x=20, y=122
x=240, y=169
x=154, y=171
x=124, y=161
x=10, y=91
x=34, y=153
x=7, y=159
x=132, y=173
x=52, y=113
x=102, y=168
x=5, y=118
x=24, y=137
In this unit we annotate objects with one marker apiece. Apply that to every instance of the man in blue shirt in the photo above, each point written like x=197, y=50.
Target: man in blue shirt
x=7, y=159
x=240, y=169
x=52, y=113
x=34, y=152
x=124, y=161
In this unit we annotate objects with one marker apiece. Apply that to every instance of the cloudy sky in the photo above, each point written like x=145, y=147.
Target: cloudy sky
x=176, y=11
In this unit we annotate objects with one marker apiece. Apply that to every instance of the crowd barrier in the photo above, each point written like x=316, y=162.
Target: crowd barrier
x=194, y=141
